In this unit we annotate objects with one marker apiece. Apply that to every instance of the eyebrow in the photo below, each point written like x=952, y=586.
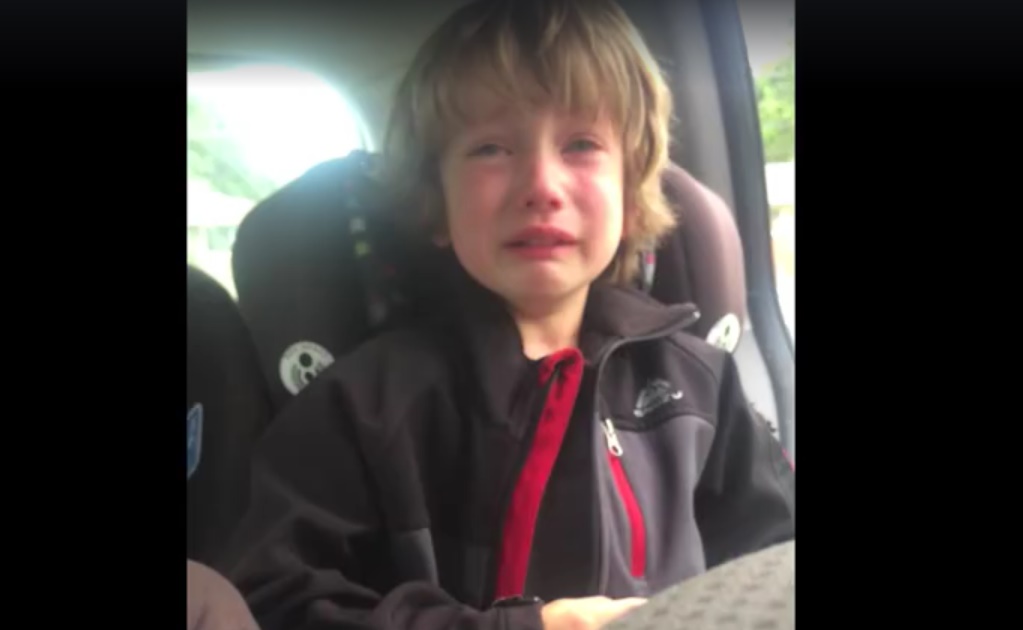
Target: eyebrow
x=493, y=114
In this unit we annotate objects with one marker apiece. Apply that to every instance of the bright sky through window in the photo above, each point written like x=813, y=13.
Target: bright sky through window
x=284, y=120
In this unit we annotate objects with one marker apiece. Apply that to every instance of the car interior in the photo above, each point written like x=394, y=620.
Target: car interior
x=289, y=268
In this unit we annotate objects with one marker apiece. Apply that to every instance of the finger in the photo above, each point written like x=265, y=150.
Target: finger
x=631, y=601
x=621, y=606
x=617, y=608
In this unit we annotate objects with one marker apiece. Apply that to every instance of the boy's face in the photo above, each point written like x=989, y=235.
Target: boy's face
x=534, y=201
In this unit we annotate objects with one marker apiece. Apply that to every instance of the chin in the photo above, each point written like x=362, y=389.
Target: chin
x=541, y=290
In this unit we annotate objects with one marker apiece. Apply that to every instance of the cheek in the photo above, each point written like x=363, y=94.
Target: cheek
x=605, y=215
x=471, y=206
x=473, y=200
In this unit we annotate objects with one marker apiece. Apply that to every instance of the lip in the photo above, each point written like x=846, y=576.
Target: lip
x=549, y=235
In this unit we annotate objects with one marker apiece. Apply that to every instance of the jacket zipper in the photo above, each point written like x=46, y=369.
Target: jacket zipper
x=615, y=460
x=637, y=528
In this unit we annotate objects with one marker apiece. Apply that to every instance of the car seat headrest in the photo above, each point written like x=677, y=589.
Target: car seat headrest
x=702, y=260
x=298, y=261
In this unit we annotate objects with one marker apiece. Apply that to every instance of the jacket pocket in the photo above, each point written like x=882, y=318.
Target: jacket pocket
x=637, y=526
x=662, y=467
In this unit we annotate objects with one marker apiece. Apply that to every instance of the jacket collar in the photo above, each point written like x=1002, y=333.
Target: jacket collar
x=481, y=333
x=617, y=314
x=612, y=313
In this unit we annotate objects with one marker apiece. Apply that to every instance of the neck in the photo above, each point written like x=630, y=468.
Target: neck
x=549, y=327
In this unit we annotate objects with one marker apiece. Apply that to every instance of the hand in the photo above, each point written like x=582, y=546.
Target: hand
x=587, y=613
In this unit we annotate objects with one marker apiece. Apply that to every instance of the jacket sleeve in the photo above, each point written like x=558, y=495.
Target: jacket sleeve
x=746, y=498
x=310, y=552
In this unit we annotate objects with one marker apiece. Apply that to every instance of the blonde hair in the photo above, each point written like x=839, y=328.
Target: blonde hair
x=584, y=55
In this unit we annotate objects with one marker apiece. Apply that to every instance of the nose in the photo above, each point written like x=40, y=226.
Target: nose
x=542, y=174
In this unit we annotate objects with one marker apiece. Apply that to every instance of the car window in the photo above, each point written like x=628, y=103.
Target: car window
x=252, y=129
x=770, y=41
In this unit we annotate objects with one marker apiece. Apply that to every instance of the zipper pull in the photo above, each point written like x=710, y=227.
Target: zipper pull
x=613, y=444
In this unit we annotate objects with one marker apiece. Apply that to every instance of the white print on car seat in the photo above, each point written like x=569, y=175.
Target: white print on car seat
x=301, y=363
x=725, y=334
x=657, y=393
x=194, y=438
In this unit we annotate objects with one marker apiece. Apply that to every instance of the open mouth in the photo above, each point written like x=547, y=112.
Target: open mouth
x=540, y=238
x=539, y=242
